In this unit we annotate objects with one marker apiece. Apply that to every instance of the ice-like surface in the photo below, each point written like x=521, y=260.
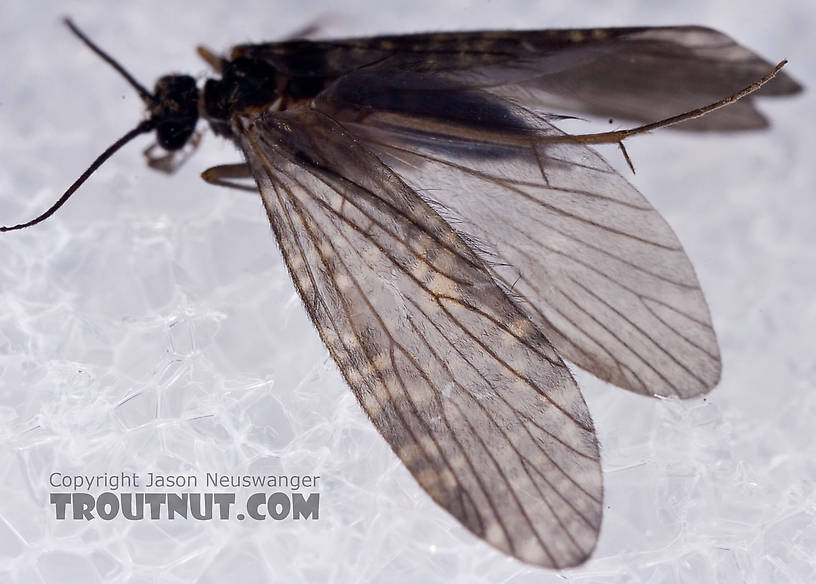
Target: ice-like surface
x=151, y=326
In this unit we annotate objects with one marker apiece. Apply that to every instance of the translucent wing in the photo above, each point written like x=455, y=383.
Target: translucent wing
x=643, y=74
x=468, y=393
x=598, y=269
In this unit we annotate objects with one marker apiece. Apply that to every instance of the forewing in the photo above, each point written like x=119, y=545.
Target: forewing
x=643, y=74
x=597, y=268
x=468, y=393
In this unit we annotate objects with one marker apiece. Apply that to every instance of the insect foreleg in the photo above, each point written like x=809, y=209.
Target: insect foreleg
x=169, y=162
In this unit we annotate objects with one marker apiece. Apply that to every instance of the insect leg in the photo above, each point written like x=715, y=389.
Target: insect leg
x=226, y=175
x=617, y=137
x=314, y=29
x=169, y=162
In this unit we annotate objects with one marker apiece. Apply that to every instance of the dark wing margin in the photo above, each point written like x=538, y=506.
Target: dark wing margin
x=595, y=266
x=640, y=74
x=467, y=392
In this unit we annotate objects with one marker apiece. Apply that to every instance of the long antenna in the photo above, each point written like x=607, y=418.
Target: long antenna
x=143, y=128
x=144, y=93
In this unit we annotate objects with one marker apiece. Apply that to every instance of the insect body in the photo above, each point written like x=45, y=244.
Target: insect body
x=451, y=245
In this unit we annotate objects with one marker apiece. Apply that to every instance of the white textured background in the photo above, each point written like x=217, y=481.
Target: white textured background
x=151, y=325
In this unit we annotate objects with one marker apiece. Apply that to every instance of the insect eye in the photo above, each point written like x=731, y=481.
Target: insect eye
x=175, y=110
